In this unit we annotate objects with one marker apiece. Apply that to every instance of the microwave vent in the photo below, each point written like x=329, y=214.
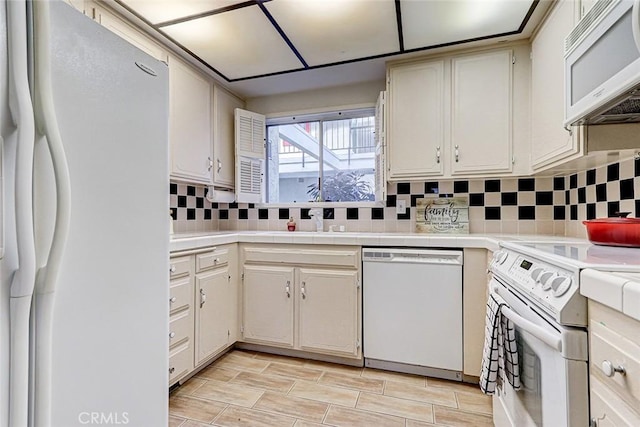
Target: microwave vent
x=585, y=24
x=628, y=106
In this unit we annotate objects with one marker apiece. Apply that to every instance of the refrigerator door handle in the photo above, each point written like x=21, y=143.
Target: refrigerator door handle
x=23, y=280
x=48, y=275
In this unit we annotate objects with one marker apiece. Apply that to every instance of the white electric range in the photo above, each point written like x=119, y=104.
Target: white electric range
x=540, y=281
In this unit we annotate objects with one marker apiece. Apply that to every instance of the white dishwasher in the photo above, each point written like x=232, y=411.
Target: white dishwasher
x=412, y=308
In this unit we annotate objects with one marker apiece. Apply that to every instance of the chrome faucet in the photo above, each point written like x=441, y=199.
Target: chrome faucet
x=316, y=215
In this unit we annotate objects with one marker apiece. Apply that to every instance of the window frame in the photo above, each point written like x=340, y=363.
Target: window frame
x=329, y=115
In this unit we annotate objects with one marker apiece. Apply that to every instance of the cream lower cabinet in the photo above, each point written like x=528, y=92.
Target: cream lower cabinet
x=203, y=307
x=180, y=318
x=614, y=345
x=268, y=304
x=474, y=297
x=328, y=319
x=303, y=298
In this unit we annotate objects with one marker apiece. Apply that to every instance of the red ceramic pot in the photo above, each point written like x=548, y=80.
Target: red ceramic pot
x=614, y=231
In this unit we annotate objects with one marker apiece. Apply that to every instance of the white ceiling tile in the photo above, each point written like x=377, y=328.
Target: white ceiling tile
x=430, y=23
x=329, y=31
x=157, y=11
x=240, y=43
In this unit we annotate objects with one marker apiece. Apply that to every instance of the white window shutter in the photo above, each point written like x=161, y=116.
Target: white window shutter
x=250, y=156
x=380, y=139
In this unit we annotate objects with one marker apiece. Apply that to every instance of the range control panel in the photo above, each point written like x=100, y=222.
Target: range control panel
x=552, y=288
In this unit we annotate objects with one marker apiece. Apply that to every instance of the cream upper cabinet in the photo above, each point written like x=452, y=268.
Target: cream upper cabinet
x=329, y=301
x=77, y=4
x=459, y=115
x=224, y=105
x=190, y=123
x=416, y=119
x=551, y=143
x=268, y=305
x=481, y=113
x=128, y=32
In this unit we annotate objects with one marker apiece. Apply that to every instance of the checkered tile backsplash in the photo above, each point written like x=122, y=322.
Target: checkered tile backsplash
x=542, y=205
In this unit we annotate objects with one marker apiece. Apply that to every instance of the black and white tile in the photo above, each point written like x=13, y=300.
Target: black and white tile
x=539, y=205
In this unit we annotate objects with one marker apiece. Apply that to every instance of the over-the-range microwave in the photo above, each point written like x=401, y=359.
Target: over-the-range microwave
x=602, y=65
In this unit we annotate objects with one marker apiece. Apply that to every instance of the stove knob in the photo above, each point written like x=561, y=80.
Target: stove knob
x=500, y=256
x=545, y=279
x=535, y=273
x=560, y=285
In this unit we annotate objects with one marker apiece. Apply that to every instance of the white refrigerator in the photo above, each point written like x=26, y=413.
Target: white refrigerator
x=85, y=245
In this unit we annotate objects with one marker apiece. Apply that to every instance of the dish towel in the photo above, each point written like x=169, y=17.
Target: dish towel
x=500, y=353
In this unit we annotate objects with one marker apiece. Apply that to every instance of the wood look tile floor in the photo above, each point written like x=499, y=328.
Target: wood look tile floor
x=249, y=389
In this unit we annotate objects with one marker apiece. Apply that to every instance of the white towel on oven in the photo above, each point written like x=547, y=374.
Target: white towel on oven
x=500, y=355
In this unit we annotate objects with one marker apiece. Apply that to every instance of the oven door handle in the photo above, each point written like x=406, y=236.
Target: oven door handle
x=539, y=332
x=526, y=325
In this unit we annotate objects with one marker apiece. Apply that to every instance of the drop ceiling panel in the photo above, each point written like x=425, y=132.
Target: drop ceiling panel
x=240, y=43
x=329, y=31
x=430, y=23
x=157, y=11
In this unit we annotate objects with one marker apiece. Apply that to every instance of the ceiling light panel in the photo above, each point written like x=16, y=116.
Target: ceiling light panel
x=329, y=31
x=240, y=43
x=430, y=23
x=157, y=11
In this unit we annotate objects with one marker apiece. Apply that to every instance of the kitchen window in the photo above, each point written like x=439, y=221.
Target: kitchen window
x=327, y=157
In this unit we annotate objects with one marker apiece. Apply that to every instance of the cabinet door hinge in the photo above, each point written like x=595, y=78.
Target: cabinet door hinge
x=357, y=343
x=513, y=160
x=358, y=283
x=513, y=59
x=242, y=276
x=242, y=329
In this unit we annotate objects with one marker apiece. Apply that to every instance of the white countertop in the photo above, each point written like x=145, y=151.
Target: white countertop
x=191, y=241
x=619, y=290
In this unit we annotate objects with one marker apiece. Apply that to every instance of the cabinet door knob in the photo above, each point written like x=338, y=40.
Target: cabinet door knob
x=457, y=153
x=438, y=154
x=303, y=290
x=219, y=165
x=287, y=289
x=210, y=164
x=172, y=300
x=172, y=370
x=609, y=370
x=172, y=269
x=172, y=334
